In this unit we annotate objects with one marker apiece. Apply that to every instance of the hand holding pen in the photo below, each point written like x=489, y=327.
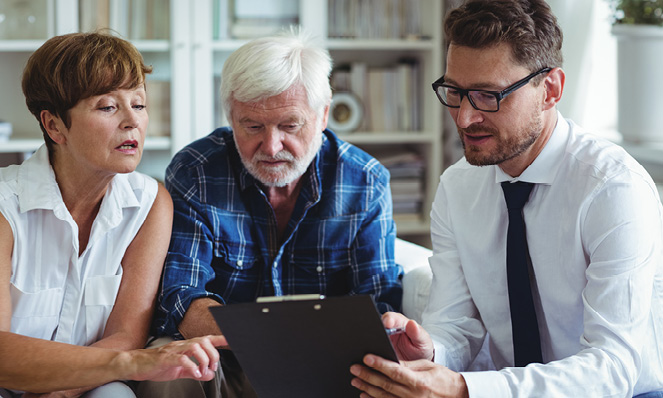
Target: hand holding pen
x=410, y=340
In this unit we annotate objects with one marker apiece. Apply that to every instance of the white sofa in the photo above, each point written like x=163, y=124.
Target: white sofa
x=417, y=277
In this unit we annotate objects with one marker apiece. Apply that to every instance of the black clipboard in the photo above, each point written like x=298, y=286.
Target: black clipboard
x=304, y=348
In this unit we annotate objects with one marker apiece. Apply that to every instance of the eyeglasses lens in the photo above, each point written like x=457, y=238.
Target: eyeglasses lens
x=480, y=99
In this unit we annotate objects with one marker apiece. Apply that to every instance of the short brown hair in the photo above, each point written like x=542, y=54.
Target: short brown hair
x=528, y=26
x=76, y=66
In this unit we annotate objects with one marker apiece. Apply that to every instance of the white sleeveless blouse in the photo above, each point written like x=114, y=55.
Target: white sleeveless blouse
x=56, y=294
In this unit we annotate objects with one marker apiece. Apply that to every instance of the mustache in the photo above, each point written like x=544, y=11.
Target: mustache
x=280, y=156
x=474, y=129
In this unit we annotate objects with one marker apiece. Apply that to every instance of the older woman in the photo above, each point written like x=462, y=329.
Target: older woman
x=83, y=236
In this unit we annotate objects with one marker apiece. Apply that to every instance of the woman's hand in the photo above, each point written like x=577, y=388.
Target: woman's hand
x=175, y=360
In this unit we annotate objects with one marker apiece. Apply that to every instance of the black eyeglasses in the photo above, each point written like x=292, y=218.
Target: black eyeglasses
x=481, y=100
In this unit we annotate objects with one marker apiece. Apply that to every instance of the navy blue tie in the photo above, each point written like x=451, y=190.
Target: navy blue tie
x=526, y=341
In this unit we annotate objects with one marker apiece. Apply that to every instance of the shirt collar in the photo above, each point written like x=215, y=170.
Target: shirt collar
x=544, y=168
x=38, y=189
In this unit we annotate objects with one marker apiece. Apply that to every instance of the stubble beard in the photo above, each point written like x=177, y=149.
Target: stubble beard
x=505, y=148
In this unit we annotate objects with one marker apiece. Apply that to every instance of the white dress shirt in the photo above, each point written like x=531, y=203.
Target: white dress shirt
x=594, y=231
x=57, y=294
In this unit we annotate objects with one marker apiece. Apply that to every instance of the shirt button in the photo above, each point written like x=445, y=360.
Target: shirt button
x=319, y=269
x=276, y=265
x=240, y=263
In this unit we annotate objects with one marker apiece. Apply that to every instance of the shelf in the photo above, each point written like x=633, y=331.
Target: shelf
x=30, y=145
x=394, y=137
x=20, y=45
x=411, y=227
x=387, y=45
x=190, y=60
x=344, y=44
x=32, y=45
x=152, y=45
x=227, y=45
x=13, y=145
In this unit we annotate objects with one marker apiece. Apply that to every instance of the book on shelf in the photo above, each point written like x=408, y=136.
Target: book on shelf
x=415, y=197
x=412, y=26
x=397, y=157
x=406, y=168
x=402, y=218
x=158, y=108
x=406, y=185
x=257, y=18
x=219, y=115
x=389, y=95
x=374, y=19
x=407, y=194
x=407, y=207
x=131, y=19
x=359, y=87
x=221, y=20
x=93, y=15
x=340, y=79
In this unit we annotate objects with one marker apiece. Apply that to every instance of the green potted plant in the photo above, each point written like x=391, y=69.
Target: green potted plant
x=638, y=27
x=637, y=12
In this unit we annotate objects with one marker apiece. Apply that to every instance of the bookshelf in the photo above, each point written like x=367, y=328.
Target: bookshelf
x=417, y=39
x=145, y=22
x=187, y=43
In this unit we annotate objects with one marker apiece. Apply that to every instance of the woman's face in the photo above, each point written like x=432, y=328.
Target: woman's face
x=107, y=131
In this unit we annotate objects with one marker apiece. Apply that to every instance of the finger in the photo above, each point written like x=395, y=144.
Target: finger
x=189, y=368
x=211, y=346
x=196, y=352
x=368, y=390
x=393, y=320
x=403, y=373
x=218, y=341
x=208, y=355
x=372, y=383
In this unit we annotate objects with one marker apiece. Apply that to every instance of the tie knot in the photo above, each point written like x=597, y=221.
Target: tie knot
x=516, y=194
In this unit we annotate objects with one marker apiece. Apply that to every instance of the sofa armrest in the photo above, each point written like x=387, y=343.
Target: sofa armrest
x=417, y=277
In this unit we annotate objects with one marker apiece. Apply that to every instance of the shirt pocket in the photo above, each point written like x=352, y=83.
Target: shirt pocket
x=99, y=298
x=237, y=275
x=236, y=256
x=36, y=314
x=330, y=269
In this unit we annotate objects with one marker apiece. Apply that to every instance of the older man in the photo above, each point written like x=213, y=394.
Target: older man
x=276, y=204
x=546, y=240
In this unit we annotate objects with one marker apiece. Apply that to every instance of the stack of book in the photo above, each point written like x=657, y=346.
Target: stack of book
x=248, y=19
x=375, y=19
x=132, y=19
x=158, y=108
x=389, y=95
x=407, y=187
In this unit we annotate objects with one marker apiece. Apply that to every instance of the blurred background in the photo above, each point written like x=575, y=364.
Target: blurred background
x=386, y=54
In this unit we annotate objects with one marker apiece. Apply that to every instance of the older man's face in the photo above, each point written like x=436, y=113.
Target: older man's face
x=277, y=138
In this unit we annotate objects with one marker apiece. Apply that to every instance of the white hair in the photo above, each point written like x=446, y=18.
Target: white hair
x=268, y=66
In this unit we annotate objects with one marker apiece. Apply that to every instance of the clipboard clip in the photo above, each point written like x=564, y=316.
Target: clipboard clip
x=289, y=297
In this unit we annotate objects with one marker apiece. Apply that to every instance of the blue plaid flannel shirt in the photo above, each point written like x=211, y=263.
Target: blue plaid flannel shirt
x=339, y=241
